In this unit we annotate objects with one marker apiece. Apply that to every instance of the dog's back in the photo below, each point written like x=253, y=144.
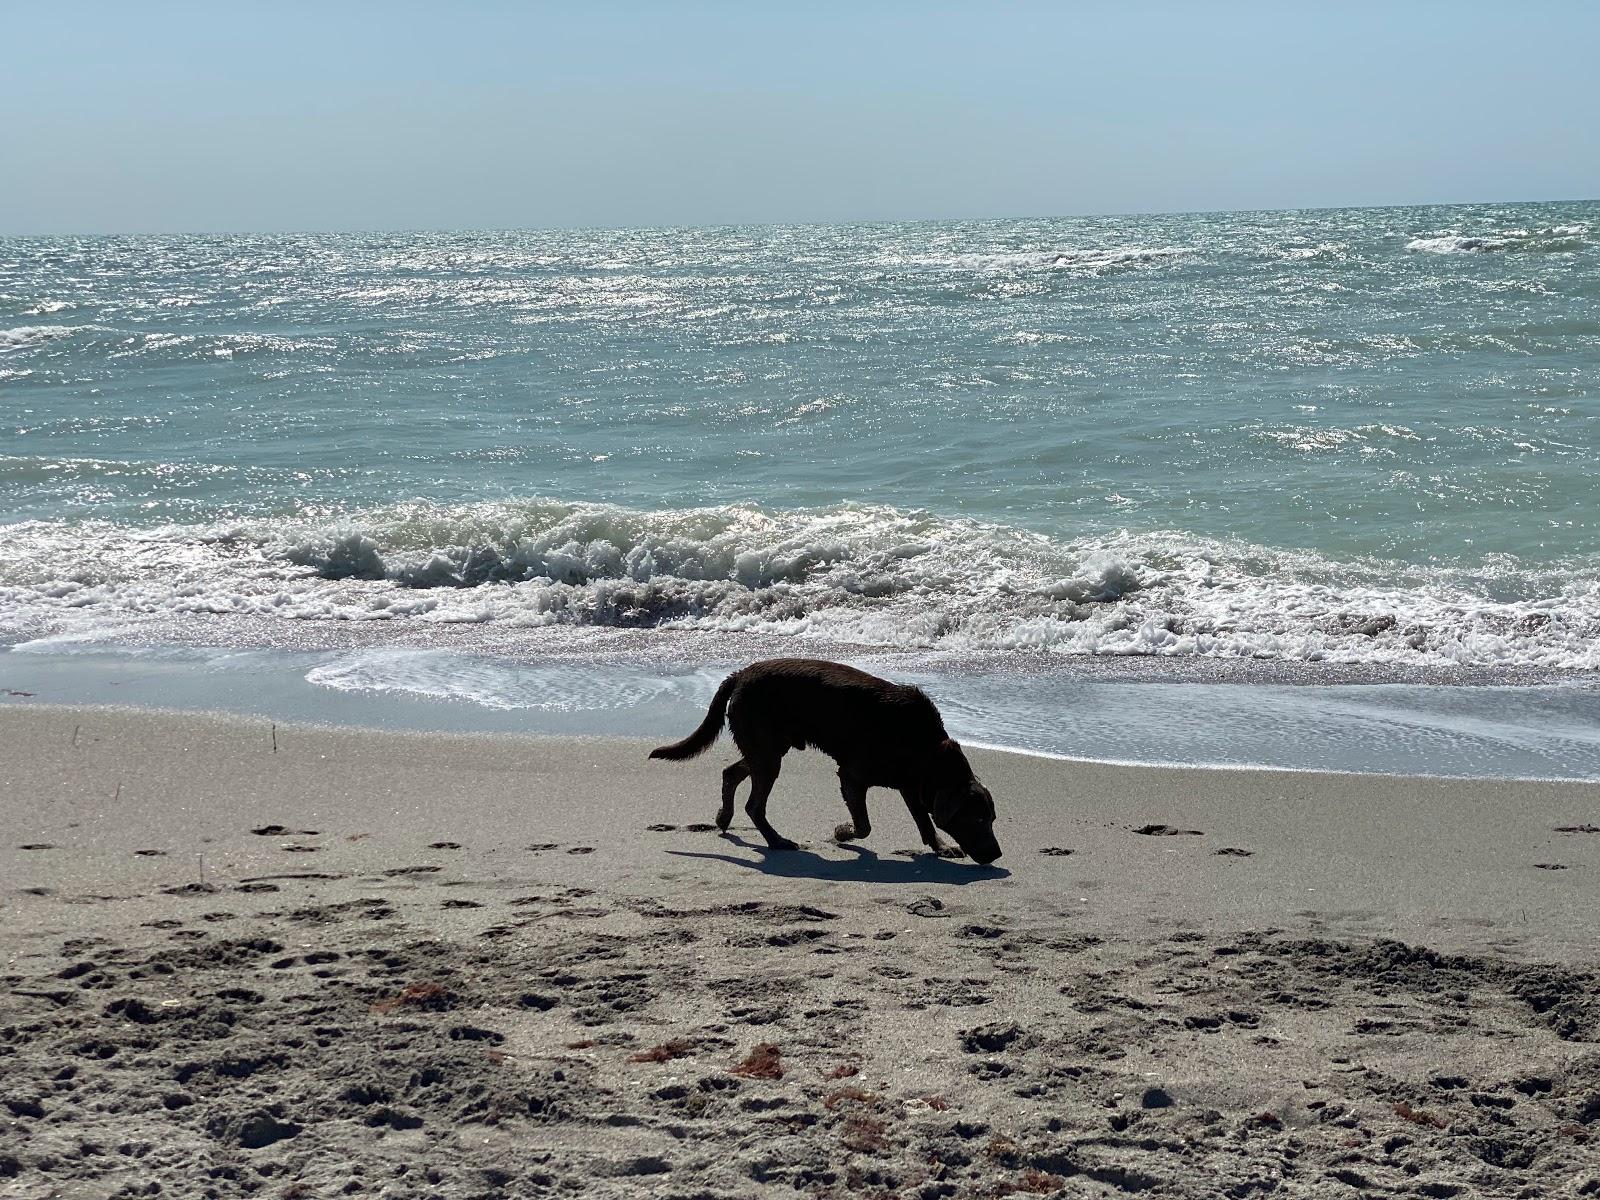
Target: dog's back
x=795, y=703
x=851, y=716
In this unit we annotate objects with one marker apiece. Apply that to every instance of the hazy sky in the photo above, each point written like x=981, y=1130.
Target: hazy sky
x=127, y=117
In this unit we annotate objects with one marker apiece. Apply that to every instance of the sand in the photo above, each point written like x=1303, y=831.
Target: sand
x=242, y=959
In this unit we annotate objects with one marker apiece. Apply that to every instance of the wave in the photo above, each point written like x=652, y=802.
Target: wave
x=490, y=683
x=864, y=575
x=1555, y=239
x=1091, y=260
x=1099, y=261
x=26, y=337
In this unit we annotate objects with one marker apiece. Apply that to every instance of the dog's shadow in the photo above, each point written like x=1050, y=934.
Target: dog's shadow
x=865, y=867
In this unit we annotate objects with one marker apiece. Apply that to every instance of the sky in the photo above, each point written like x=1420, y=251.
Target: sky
x=347, y=115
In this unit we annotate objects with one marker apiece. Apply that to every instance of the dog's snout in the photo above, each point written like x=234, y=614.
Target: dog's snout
x=984, y=855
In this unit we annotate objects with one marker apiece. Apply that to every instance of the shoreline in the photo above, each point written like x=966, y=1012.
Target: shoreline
x=335, y=726
x=470, y=965
x=678, y=648
x=1531, y=732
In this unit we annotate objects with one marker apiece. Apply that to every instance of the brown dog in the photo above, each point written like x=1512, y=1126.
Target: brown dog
x=880, y=733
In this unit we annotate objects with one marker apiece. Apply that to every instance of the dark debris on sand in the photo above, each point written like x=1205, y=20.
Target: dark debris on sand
x=632, y=1049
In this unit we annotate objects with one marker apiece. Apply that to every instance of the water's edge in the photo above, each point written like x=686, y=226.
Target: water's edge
x=1548, y=730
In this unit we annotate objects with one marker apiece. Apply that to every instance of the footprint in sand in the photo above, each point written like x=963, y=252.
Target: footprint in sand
x=151, y=853
x=1578, y=828
x=662, y=828
x=295, y=848
x=700, y=827
x=581, y=850
x=461, y=904
x=541, y=847
x=197, y=888
x=1055, y=851
x=1235, y=852
x=37, y=846
x=927, y=906
x=411, y=870
x=270, y=830
x=444, y=845
x=1551, y=866
x=1167, y=831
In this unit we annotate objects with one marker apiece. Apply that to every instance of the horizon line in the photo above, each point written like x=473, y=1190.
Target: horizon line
x=771, y=224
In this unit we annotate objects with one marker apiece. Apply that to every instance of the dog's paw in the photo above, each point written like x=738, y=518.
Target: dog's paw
x=950, y=852
x=844, y=833
x=782, y=843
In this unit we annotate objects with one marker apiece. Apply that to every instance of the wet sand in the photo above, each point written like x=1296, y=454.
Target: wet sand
x=286, y=961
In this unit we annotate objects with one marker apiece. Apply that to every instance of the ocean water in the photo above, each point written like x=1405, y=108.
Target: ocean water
x=1285, y=445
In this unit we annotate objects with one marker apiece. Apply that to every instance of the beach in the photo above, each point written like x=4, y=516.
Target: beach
x=412, y=418
x=247, y=957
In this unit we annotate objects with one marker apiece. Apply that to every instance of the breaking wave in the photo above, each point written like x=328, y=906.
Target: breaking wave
x=25, y=337
x=865, y=575
x=1554, y=239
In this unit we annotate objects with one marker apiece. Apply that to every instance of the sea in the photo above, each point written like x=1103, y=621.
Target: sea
x=1315, y=489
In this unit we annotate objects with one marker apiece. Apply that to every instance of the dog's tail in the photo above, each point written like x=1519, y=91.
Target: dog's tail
x=700, y=740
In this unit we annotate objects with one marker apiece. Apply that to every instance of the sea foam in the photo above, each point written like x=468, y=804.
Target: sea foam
x=26, y=337
x=859, y=574
x=1556, y=239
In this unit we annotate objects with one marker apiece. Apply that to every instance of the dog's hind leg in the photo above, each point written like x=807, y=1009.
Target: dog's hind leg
x=930, y=835
x=855, y=799
x=732, y=777
x=763, y=774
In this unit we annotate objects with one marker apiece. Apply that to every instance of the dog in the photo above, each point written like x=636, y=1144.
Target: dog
x=881, y=734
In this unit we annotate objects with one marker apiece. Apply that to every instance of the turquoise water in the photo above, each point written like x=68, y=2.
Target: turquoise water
x=1353, y=436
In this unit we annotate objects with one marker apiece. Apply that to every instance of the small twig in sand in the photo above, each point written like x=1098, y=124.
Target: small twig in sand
x=200, y=862
x=117, y=795
x=75, y=731
x=274, y=738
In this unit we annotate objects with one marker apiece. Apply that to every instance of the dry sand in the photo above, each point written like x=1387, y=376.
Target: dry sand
x=306, y=962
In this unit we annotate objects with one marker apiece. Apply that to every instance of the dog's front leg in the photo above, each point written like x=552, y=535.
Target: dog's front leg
x=762, y=776
x=855, y=799
x=930, y=835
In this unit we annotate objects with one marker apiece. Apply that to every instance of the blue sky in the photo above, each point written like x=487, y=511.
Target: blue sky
x=157, y=117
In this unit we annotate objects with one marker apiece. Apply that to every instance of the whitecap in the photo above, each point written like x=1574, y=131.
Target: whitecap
x=862, y=574
x=26, y=337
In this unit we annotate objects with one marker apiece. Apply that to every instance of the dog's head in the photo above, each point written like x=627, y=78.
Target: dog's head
x=960, y=805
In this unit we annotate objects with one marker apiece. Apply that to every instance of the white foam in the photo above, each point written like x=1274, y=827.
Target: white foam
x=1554, y=239
x=26, y=337
x=870, y=575
x=504, y=686
x=1098, y=260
